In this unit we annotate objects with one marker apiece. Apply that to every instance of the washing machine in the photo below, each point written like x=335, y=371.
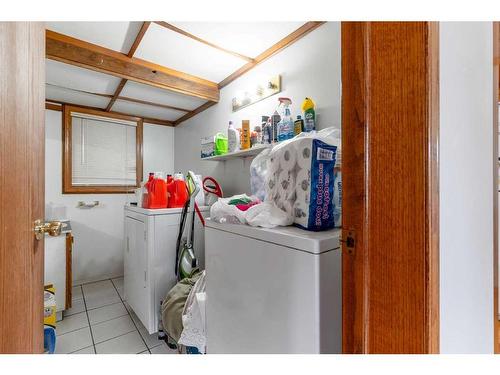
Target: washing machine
x=272, y=290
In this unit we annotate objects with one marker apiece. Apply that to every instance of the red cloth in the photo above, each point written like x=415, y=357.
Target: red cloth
x=244, y=207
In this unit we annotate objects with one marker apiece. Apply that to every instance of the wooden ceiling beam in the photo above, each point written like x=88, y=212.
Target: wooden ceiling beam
x=81, y=91
x=274, y=49
x=56, y=105
x=73, y=51
x=138, y=38
x=146, y=102
x=133, y=48
x=124, y=98
x=194, y=112
x=115, y=95
x=194, y=37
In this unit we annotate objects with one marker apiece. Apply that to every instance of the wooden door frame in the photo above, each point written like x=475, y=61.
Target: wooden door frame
x=22, y=144
x=390, y=104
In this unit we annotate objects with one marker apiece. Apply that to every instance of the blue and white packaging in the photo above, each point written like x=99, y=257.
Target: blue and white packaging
x=304, y=179
x=315, y=206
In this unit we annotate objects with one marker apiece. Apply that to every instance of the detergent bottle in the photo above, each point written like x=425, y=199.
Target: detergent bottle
x=285, y=127
x=309, y=115
x=178, y=192
x=233, y=138
x=157, y=192
x=147, y=191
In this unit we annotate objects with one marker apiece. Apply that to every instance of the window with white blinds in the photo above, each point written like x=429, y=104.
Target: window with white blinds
x=103, y=151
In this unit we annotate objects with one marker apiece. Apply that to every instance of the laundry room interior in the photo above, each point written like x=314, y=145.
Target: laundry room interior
x=193, y=199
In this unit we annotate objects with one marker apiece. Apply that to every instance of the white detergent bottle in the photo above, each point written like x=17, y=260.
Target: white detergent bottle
x=233, y=138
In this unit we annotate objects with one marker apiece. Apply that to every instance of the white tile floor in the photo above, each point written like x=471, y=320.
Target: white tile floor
x=101, y=322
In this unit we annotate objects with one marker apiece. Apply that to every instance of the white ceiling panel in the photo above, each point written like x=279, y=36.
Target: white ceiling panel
x=73, y=77
x=146, y=110
x=153, y=94
x=118, y=36
x=247, y=38
x=75, y=97
x=173, y=50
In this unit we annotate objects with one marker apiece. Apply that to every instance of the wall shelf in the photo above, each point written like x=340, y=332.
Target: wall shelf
x=251, y=152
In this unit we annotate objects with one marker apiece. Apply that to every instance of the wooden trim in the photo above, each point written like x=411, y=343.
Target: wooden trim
x=100, y=112
x=354, y=280
x=69, y=271
x=148, y=120
x=166, y=106
x=194, y=112
x=80, y=91
x=390, y=125
x=139, y=140
x=138, y=38
x=53, y=107
x=432, y=189
x=117, y=92
x=121, y=85
x=194, y=37
x=274, y=49
x=77, y=52
x=67, y=186
x=124, y=98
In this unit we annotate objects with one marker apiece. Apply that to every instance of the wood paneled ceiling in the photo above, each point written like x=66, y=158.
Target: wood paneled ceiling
x=161, y=71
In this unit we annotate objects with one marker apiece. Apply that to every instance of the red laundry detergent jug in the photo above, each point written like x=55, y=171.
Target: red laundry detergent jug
x=178, y=193
x=157, y=196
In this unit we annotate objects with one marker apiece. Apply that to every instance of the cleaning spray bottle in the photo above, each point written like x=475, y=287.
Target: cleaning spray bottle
x=309, y=115
x=285, y=125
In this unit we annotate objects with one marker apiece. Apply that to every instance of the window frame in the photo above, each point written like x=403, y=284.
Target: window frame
x=67, y=153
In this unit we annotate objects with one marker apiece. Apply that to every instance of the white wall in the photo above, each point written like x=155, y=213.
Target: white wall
x=98, y=232
x=309, y=67
x=466, y=197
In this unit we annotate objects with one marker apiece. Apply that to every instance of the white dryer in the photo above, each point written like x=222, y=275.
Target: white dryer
x=149, y=258
x=272, y=290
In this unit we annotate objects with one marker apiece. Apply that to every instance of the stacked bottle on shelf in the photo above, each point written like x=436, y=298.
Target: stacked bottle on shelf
x=278, y=127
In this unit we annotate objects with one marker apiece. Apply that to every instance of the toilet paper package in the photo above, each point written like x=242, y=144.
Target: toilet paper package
x=303, y=179
x=314, y=207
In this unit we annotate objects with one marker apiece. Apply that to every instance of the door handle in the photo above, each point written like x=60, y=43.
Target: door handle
x=53, y=228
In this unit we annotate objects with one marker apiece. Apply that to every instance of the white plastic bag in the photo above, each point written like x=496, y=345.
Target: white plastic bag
x=267, y=215
x=258, y=173
x=223, y=212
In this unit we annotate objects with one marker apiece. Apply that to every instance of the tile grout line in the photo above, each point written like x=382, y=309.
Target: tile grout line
x=88, y=319
x=94, y=308
x=91, y=325
x=98, y=281
x=91, y=346
x=112, y=338
x=130, y=316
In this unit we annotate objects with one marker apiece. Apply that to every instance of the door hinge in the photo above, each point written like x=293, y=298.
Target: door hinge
x=349, y=241
x=145, y=235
